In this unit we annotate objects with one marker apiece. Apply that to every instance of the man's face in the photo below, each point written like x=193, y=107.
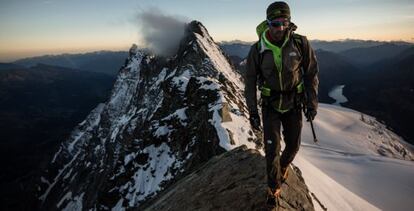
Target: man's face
x=278, y=28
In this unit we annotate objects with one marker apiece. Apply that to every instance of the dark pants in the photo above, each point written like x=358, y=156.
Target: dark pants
x=292, y=126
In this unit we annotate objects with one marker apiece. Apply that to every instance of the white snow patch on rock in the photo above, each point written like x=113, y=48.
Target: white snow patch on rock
x=75, y=203
x=181, y=81
x=147, y=180
x=162, y=131
x=179, y=114
x=118, y=206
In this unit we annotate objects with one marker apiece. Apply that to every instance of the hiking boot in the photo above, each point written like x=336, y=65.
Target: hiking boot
x=272, y=197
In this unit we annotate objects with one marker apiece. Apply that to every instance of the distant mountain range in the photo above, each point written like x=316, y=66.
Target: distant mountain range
x=240, y=49
x=360, y=52
x=347, y=44
x=365, y=56
x=108, y=62
x=347, y=47
x=386, y=91
x=39, y=106
x=8, y=66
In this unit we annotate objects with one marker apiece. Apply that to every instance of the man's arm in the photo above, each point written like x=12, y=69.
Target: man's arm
x=310, y=77
x=251, y=79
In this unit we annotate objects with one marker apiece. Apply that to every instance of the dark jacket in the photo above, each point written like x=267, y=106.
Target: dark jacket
x=261, y=70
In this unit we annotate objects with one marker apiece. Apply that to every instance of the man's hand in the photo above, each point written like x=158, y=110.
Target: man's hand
x=310, y=114
x=255, y=120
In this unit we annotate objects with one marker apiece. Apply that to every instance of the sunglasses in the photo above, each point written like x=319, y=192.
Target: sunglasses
x=280, y=22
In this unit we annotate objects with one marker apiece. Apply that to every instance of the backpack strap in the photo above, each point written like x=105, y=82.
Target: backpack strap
x=260, y=59
x=302, y=45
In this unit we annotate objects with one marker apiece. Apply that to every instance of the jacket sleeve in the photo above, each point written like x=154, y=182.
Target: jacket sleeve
x=250, y=78
x=310, y=78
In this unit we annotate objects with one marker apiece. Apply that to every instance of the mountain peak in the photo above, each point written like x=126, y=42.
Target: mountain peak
x=133, y=50
x=196, y=27
x=165, y=117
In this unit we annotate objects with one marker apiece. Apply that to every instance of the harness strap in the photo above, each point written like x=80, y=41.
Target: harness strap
x=267, y=92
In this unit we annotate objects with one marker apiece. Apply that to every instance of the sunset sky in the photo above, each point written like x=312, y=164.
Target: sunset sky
x=37, y=27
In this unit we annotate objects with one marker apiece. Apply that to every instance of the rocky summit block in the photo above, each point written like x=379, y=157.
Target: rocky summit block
x=235, y=180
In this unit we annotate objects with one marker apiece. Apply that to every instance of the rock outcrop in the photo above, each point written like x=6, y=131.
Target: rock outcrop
x=235, y=180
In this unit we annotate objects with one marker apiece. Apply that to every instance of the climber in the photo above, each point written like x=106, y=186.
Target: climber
x=284, y=67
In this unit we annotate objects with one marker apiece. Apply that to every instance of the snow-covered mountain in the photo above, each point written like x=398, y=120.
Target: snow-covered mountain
x=164, y=117
x=168, y=116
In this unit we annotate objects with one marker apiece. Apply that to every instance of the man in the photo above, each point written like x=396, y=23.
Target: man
x=284, y=67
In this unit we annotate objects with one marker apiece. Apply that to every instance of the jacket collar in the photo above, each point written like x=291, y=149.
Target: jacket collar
x=290, y=30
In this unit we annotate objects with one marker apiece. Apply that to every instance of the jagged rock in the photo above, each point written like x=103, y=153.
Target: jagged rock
x=235, y=180
x=161, y=121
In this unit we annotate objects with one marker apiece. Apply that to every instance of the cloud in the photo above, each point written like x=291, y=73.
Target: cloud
x=161, y=32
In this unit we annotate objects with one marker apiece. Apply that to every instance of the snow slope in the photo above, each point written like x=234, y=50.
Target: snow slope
x=358, y=164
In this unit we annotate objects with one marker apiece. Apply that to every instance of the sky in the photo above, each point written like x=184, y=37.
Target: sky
x=38, y=27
